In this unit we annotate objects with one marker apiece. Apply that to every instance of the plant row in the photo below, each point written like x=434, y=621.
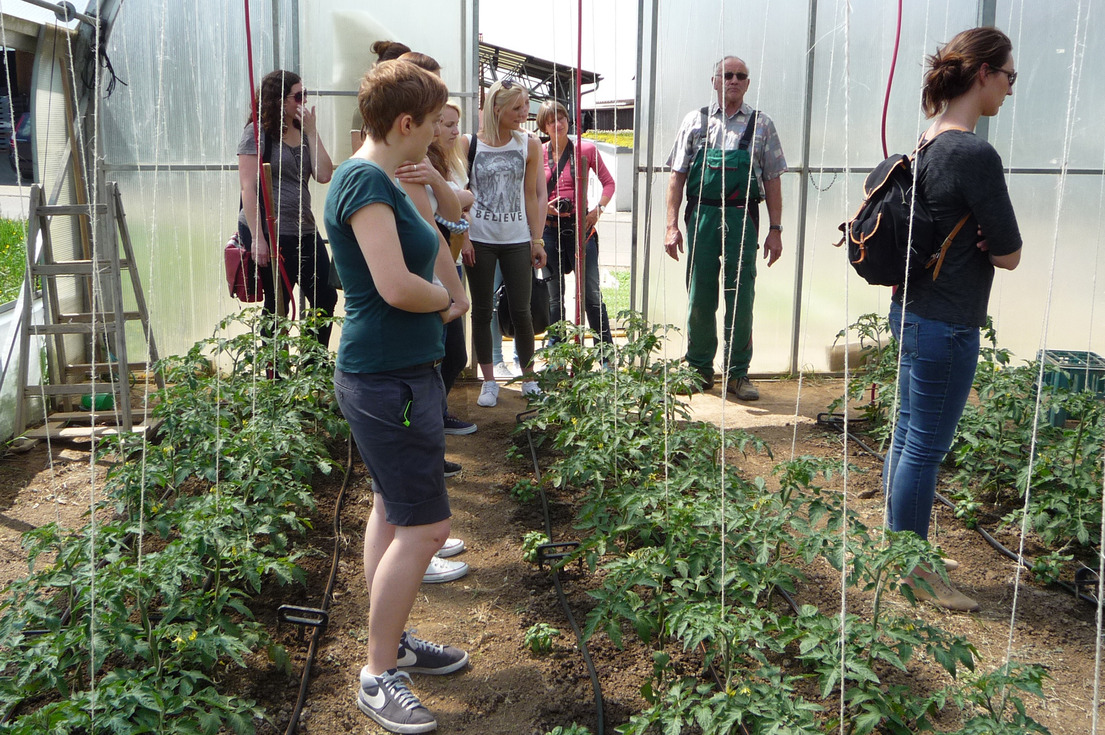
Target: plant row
x=129, y=624
x=1019, y=408
x=688, y=553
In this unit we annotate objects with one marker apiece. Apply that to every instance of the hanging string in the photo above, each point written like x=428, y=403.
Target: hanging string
x=846, y=476
x=1068, y=134
x=812, y=253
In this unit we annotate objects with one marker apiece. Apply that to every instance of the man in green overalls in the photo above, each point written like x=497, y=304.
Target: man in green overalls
x=727, y=157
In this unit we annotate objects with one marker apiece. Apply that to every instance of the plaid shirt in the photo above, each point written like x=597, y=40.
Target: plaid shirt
x=768, y=161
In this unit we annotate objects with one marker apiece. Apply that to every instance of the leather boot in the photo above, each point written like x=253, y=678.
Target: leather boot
x=943, y=594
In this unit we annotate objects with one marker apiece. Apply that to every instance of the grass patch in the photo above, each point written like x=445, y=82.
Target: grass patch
x=616, y=297
x=622, y=138
x=13, y=258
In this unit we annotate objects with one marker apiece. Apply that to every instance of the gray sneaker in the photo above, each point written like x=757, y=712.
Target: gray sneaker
x=422, y=657
x=388, y=700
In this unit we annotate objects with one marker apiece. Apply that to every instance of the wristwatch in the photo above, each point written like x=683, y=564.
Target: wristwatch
x=777, y=228
x=601, y=208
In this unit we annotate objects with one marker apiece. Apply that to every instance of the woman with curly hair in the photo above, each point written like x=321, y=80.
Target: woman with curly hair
x=937, y=320
x=291, y=143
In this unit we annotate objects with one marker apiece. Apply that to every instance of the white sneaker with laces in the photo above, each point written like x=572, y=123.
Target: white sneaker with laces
x=451, y=547
x=502, y=370
x=529, y=388
x=489, y=394
x=443, y=570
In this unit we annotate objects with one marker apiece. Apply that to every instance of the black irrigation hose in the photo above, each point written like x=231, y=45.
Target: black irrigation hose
x=318, y=630
x=559, y=589
x=836, y=421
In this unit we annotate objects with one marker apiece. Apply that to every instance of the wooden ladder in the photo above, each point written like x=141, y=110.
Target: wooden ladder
x=84, y=399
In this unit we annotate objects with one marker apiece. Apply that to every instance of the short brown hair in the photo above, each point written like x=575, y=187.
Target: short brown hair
x=954, y=68
x=549, y=111
x=428, y=63
x=394, y=88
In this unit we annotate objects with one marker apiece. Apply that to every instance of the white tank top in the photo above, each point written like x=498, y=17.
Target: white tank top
x=498, y=184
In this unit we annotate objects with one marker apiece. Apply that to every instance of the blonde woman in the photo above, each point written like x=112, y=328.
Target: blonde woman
x=507, y=220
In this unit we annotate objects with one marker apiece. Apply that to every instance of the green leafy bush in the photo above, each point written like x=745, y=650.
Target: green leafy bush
x=217, y=503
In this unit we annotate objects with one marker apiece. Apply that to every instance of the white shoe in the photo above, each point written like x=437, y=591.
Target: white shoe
x=529, y=388
x=502, y=370
x=489, y=394
x=451, y=547
x=443, y=570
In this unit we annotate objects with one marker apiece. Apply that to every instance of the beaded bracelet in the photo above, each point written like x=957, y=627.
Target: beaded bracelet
x=454, y=227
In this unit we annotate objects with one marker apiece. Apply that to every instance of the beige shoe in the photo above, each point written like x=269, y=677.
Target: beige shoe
x=743, y=389
x=950, y=564
x=943, y=594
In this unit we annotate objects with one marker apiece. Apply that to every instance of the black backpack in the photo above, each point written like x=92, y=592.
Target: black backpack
x=878, y=236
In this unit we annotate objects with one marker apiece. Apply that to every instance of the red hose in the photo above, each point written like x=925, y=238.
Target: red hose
x=581, y=174
x=890, y=80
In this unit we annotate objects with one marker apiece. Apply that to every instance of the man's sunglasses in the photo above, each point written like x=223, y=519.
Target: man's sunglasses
x=740, y=75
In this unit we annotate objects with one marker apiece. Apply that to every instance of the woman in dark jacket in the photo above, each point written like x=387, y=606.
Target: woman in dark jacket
x=937, y=321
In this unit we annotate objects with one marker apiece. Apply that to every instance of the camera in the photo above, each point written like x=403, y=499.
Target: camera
x=564, y=206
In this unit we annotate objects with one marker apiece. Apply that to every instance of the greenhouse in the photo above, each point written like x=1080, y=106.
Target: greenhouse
x=638, y=549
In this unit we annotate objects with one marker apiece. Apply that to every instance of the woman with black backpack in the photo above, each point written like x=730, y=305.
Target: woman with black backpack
x=937, y=320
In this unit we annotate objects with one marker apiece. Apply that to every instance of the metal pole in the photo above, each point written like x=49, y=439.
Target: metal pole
x=650, y=152
x=638, y=81
x=803, y=190
x=987, y=16
x=276, y=64
x=297, y=62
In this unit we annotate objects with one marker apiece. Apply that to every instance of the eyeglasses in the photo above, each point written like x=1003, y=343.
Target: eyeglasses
x=298, y=96
x=740, y=75
x=1011, y=74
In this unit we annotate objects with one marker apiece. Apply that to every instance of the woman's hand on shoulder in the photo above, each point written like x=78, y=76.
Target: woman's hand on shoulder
x=422, y=172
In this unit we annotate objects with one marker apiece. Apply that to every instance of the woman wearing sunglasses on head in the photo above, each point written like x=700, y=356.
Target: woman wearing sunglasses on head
x=291, y=143
x=507, y=220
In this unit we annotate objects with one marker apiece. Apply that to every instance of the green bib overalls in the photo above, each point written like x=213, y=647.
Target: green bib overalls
x=721, y=184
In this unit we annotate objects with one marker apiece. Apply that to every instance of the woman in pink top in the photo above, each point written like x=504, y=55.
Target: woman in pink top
x=562, y=217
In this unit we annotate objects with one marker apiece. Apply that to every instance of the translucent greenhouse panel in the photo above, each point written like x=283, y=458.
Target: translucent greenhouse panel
x=763, y=35
x=186, y=96
x=179, y=223
x=1049, y=76
x=833, y=296
x=336, y=49
x=1076, y=317
x=851, y=67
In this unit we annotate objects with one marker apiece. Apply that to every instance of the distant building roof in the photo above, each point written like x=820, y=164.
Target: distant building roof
x=544, y=79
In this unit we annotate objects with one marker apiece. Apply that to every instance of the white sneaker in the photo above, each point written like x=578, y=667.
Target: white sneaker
x=502, y=370
x=489, y=394
x=451, y=547
x=443, y=570
x=529, y=388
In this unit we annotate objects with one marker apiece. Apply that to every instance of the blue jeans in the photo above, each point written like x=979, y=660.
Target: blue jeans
x=938, y=367
x=596, y=309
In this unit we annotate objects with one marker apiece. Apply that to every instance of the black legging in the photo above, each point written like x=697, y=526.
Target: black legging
x=307, y=263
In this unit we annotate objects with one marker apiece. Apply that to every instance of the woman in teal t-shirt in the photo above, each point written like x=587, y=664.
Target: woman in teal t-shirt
x=387, y=382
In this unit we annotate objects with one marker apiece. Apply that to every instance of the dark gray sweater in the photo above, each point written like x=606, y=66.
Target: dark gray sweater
x=959, y=172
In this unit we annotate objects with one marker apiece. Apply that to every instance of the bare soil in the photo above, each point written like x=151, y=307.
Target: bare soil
x=507, y=689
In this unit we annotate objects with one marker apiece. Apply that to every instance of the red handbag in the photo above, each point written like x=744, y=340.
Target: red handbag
x=241, y=276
